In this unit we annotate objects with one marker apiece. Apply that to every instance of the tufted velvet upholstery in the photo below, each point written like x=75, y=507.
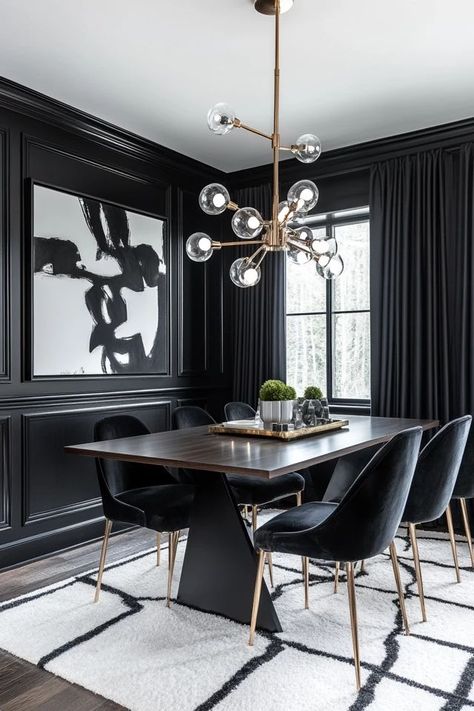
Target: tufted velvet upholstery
x=238, y=411
x=436, y=472
x=140, y=494
x=364, y=523
x=247, y=490
x=464, y=487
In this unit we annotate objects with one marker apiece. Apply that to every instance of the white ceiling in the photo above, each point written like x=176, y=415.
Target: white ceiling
x=351, y=71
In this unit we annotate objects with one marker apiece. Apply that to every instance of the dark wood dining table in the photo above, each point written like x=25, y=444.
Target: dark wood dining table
x=219, y=565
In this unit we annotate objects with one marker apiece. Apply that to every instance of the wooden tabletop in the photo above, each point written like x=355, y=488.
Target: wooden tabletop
x=197, y=449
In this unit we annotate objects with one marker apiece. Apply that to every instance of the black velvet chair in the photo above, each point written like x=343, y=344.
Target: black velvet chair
x=464, y=488
x=139, y=494
x=247, y=491
x=238, y=411
x=361, y=526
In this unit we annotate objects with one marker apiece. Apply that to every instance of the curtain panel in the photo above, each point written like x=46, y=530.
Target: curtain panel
x=422, y=292
x=259, y=328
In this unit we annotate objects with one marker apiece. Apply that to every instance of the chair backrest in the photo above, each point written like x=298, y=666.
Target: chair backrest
x=191, y=416
x=238, y=411
x=117, y=476
x=464, y=486
x=366, y=521
x=346, y=472
x=436, y=472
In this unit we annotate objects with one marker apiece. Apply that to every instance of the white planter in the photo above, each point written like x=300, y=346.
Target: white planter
x=276, y=411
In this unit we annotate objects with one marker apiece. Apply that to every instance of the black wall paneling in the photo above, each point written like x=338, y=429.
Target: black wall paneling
x=49, y=500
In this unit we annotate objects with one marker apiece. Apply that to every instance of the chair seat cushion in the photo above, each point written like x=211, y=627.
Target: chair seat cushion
x=253, y=491
x=269, y=536
x=164, y=508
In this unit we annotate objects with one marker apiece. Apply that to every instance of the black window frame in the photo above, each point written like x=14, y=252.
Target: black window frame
x=330, y=221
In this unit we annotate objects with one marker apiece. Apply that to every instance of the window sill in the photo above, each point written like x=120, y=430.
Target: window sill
x=341, y=409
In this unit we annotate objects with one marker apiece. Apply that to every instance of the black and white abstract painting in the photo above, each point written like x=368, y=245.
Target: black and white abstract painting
x=100, y=288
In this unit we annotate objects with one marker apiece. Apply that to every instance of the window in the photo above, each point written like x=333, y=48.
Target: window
x=328, y=322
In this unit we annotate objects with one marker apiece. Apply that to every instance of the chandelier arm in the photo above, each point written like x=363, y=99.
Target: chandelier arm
x=238, y=124
x=275, y=234
x=257, y=251
x=219, y=245
x=303, y=249
x=233, y=206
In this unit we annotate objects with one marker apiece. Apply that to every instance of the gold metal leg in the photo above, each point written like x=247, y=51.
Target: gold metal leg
x=306, y=582
x=298, y=498
x=270, y=568
x=256, y=595
x=103, y=553
x=336, y=576
x=362, y=566
x=172, y=546
x=158, y=548
x=467, y=528
x=398, y=581
x=452, y=540
x=254, y=519
x=416, y=560
x=353, y=613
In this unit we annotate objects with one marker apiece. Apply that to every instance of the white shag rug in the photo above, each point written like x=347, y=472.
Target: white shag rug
x=133, y=650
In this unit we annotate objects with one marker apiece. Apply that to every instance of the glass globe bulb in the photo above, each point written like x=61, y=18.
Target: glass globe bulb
x=304, y=234
x=298, y=256
x=220, y=119
x=326, y=246
x=244, y=273
x=199, y=247
x=213, y=199
x=308, y=148
x=330, y=268
x=305, y=194
x=247, y=223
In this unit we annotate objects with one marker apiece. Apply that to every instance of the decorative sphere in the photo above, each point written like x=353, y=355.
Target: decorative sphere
x=199, y=247
x=305, y=194
x=247, y=223
x=220, y=119
x=244, y=273
x=308, y=148
x=330, y=268
x=213, y=199
x=326, y=246
x=305, y=234
x=298, y=256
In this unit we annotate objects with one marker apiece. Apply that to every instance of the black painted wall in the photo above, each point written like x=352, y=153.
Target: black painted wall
x=49, y=500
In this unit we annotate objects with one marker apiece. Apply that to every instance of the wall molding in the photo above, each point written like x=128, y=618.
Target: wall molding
x=5, y=472
x=4, y=260
x=15, y=97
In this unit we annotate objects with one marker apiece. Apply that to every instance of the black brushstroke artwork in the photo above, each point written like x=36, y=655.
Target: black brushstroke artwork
x=139, y=266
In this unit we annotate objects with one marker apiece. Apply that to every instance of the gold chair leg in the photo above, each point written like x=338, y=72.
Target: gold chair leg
x=452, y=540
x=306, y=582
x=419, y=577
x=254, y=519
x=172, y=545
x=362, y=566
x=158, y=548
x=353, y=614
x=398, y=581
x=103, y=553
x=256, y=595
x=336, y=576
x=467, y=528
x=270, y=568
x=298, y=498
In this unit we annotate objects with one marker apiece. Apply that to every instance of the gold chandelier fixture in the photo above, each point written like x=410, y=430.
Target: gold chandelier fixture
x=283, y=232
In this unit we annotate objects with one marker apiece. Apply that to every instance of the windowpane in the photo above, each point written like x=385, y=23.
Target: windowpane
x=351, y=339
x=305, y=290
x=351, y=289
x=306, y=352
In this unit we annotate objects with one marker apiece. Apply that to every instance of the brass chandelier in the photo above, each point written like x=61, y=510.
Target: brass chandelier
x=283, y=232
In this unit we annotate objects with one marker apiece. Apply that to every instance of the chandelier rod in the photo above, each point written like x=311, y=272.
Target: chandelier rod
x=275, y=232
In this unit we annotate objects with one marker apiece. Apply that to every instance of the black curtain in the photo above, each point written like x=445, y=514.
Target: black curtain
x=422, y=284
x=259, y=313
x=422, y=294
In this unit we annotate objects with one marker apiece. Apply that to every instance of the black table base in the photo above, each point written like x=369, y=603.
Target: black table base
x=220, y=563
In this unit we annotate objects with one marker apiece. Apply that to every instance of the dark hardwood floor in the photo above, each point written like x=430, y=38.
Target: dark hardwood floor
x=23, y=686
